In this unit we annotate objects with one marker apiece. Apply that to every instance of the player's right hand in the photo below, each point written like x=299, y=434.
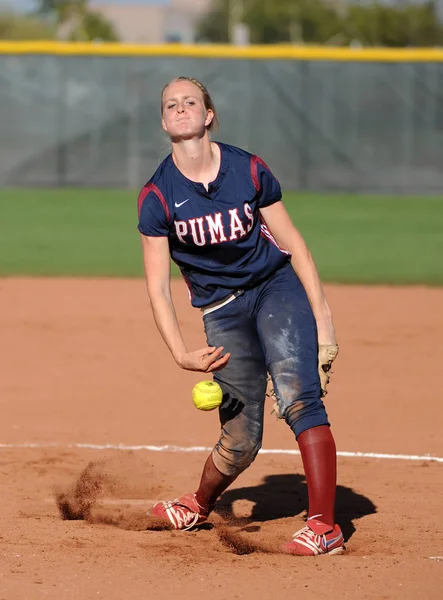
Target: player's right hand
x=206, y=360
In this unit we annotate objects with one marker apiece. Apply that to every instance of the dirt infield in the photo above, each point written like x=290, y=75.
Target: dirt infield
x=82, y=364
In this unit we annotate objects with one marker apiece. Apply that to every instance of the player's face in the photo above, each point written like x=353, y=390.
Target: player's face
x=184, y=113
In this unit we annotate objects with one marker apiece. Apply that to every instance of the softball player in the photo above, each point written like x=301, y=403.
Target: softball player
x=217, y=211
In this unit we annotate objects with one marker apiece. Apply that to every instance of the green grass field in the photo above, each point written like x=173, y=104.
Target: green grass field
x=354, y=239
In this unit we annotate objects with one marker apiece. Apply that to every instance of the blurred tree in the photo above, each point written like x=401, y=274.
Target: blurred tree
x=17, y=27
x=93, y=27
x=77, y=22
x=214, y=26
x=296, y=21
x=319, y=22
x=398, y=26
x=272, y=21
x=62, y=10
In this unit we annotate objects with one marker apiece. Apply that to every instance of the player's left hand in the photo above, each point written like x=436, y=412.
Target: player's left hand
x=327, y=353
x=327, y=350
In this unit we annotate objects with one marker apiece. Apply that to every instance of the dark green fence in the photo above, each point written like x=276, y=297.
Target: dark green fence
x=79, y=120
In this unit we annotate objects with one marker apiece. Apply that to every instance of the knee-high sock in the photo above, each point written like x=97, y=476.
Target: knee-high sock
x=318, y=452
x=212, y=484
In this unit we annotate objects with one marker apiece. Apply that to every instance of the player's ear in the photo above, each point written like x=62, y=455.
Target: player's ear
x=209, y=117
x=164, y=126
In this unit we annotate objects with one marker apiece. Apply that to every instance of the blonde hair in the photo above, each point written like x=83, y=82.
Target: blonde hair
x=207, y=100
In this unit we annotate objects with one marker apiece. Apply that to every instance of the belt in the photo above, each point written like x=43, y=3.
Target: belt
x=209, y=308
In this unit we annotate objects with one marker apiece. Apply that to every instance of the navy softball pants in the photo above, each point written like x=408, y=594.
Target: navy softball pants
x=267, y=329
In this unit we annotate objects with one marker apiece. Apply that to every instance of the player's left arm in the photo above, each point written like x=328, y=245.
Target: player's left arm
x=288, y=237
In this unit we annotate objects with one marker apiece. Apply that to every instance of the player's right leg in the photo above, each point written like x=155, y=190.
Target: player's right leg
x=243, y=381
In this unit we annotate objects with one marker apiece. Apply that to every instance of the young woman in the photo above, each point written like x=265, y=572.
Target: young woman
x=217, y=211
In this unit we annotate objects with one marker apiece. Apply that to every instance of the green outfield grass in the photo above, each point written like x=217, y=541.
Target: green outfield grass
x=354, y=239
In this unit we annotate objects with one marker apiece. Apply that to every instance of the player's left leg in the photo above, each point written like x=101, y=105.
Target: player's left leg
x=288, y=335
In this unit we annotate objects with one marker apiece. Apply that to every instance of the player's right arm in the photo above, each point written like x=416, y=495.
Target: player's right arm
x=154, y=225
x=157, y=268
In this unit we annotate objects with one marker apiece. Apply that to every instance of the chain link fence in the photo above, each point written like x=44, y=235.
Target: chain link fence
x=321, y=125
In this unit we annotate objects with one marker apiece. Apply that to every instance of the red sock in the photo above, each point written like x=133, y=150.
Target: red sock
x=212, y=484
x=318, y=452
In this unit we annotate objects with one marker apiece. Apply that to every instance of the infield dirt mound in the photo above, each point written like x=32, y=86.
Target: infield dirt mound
x=83, y=364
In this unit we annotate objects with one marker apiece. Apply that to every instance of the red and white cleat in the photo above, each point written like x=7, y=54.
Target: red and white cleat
x=184, y=513
x=315, y=539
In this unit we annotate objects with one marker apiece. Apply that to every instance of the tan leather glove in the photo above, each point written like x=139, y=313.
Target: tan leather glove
x=326, y=356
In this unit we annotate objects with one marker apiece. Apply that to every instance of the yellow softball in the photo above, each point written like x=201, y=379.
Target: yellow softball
x=207, y=395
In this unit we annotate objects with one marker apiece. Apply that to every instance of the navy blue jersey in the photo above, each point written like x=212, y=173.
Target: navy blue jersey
x=216, y=236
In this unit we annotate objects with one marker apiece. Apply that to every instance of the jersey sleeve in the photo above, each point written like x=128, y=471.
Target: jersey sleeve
x=266, y=184
x=153, y=212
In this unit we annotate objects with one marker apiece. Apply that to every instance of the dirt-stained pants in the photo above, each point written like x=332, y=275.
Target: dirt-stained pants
x=270, y=328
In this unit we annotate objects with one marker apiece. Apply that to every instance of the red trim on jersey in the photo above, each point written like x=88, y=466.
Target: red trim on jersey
x=141, y=197
x=254, y=172
x=150, y=187
x=255, y=161
x=262, y=163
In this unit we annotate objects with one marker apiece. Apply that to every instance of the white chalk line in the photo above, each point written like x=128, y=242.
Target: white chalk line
x=191, y=449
